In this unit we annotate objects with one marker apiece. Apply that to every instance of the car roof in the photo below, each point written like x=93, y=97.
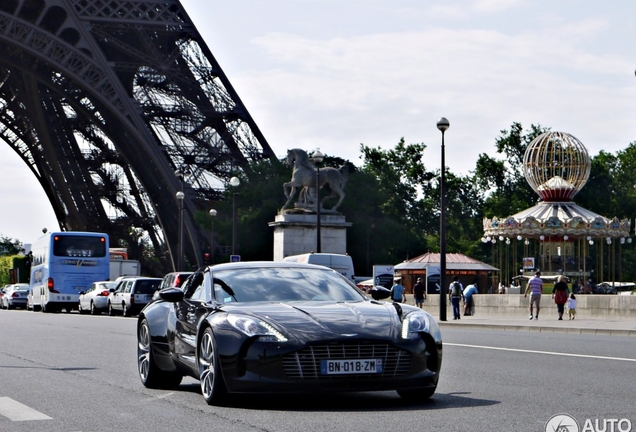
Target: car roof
x=263, y=264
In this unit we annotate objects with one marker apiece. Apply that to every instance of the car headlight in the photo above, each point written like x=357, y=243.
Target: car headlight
x=414, y=324
x=255, y=327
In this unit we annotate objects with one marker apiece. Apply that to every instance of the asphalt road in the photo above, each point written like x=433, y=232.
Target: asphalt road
x=66, y=372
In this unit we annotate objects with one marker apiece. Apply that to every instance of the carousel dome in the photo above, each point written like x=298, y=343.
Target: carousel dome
x=556, y=165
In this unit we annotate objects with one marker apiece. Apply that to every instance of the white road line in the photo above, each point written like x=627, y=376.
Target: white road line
x=18, y=412
x=543, y=352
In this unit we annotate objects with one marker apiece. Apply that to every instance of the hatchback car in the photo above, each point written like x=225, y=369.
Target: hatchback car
x=95, y=298
x=15, y=296
x=131, y=295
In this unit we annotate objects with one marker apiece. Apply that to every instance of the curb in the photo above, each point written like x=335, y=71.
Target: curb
x=541, y=329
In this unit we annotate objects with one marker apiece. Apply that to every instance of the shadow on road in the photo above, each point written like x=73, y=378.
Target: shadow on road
x=343, y=402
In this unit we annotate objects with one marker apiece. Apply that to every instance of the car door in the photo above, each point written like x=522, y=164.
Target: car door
x=119, y=293
x=194, y=307
x=84, y=298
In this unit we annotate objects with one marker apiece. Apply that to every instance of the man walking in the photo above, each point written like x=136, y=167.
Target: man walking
x=419, y=293
x=535, y=288
x=397, y=291
x=455, y=293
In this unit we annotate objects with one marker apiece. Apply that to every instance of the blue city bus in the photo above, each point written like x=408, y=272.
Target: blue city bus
x=65, y=264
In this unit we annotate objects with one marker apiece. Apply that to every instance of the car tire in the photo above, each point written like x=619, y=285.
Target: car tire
x=417, y=395
x=150, y=374
x=213, y=387
x=79, y=308
x=125, y=309
x=111, y=311
x=94, y=311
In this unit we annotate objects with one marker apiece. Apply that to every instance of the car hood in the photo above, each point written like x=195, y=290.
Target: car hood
x=309, y=321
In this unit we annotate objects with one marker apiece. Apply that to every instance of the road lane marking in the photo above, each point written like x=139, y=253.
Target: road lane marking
x=16, y=411
x=542, y=352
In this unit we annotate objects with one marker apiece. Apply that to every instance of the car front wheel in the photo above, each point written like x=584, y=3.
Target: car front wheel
x=149, y=373
x=212, y=385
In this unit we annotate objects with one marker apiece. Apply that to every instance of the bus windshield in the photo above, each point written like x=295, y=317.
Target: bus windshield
x=79, y=246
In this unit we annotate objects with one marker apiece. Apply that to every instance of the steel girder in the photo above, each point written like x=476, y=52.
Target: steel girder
x=105, y=101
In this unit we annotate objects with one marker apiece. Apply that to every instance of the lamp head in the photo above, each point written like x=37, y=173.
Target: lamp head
x=212, y=212
x=317, y=156
x=180, y=196
x=443, y=124
x=234, y=181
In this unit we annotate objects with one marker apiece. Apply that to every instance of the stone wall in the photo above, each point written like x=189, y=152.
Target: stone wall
x=609, y=307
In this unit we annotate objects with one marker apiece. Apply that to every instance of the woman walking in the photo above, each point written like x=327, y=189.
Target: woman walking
x=560, y=295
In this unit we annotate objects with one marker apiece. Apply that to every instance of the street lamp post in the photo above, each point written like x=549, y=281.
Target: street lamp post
x=180, y=196
x=234, y=182
x=317, y=157
x=443, y=124
x=212, y=216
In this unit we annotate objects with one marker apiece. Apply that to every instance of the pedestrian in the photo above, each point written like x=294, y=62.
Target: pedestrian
x=419, y=293
x=535, y=288
x=455, y=294
x=560, y=295
x=397, y=291
x=28, y=262
x=469, y=302
x=572, y=306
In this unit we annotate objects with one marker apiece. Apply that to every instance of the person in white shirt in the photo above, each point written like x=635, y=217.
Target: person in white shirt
x=572, y=306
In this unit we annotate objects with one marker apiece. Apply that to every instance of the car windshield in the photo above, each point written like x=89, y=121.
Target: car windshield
x=146, y=286
x=282, y=284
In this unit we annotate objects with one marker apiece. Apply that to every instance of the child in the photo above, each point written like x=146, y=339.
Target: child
x=572, y=306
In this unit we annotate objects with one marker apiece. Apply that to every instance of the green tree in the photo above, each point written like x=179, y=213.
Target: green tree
x=9, y=246
x=501, y=181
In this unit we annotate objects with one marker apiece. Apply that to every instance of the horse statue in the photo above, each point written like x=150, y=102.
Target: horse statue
x=304, y=178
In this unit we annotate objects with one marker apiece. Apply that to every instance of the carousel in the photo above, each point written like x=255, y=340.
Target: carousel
x=557, y=236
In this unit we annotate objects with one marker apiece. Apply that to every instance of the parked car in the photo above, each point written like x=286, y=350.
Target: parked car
x=174, y=280
x=2, y=292
x=95, y=298
x=254, y=327
x=131, y=295
x=15, y=296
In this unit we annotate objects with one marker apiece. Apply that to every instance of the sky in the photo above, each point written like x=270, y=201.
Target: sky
x=332, y=74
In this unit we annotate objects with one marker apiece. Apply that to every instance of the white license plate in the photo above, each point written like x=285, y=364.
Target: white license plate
x=344, y=367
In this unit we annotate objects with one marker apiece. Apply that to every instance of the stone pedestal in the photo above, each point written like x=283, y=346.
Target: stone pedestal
x=296, y=234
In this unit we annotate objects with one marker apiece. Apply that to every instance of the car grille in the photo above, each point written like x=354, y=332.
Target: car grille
x=305, y=364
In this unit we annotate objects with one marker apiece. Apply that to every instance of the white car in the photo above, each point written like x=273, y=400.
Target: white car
x=15, y=296
x=95, y=298
x=131, y=295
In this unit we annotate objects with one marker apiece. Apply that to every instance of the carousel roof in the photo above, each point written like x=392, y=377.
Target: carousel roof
x=454, y=261
x=557, y=218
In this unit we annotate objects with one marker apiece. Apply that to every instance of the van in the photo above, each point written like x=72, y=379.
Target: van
x=341, y=263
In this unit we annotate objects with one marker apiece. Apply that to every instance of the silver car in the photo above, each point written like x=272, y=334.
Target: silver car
x=95, y=298
x=15, y=296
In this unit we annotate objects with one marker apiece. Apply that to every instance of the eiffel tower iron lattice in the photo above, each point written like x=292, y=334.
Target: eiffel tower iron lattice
x=106, y=101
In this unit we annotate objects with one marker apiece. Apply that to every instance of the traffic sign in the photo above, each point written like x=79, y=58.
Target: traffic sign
x=235, y=258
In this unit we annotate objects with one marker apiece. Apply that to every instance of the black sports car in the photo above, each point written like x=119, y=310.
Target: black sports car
x=285, y=327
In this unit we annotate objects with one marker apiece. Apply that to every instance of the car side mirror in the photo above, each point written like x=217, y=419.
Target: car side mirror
x=378, y=292
x=81, y=293
x=172, y=295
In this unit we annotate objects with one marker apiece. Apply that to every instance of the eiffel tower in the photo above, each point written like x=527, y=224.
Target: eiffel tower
x=117, y=105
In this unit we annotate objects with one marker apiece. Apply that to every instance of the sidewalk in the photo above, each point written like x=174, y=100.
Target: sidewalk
x=549, y=324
